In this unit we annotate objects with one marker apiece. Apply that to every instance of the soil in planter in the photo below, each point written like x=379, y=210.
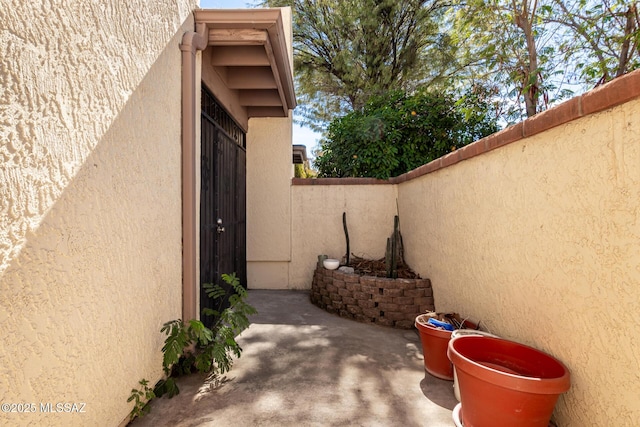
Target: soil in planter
x=377, y=268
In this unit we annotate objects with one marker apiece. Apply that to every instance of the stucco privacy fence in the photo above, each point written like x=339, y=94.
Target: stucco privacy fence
x=534, y=231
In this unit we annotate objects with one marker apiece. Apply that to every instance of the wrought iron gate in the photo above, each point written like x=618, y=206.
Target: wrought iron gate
x=222, y=199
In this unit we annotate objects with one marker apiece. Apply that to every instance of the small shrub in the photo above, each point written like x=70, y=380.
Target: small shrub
x=395, y=133
x=142, y=398
x=193, y=347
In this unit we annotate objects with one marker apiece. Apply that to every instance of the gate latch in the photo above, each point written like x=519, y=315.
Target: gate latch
x=219, y=228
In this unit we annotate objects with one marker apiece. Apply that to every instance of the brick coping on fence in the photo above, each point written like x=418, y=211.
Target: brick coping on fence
x=368, y=299
x=616, y=92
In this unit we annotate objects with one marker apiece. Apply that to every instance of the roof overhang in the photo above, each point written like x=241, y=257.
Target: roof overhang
x=299, y=154
x=251, y=56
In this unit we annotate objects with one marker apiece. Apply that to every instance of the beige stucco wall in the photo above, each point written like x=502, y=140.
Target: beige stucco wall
x=268, y=202
x=540, y=240
x=317, y=224
x=90, y=214
x=269, y=173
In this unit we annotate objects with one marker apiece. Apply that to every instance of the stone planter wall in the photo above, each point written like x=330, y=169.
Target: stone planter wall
x=368, y=299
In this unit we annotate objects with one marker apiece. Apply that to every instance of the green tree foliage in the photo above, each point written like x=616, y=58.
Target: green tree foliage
x=537, y=52
x=531, y=53
x=395, y=133
x=504, y=44
x=602, y=39
x=347, y=51
x=527, y=55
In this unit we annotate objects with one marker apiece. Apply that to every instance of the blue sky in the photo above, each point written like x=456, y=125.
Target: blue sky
x=301, y=135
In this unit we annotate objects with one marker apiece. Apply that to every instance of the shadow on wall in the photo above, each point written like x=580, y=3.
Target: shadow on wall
x=95, y=277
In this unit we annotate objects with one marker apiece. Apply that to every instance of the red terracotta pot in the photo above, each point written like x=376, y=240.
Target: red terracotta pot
x=434, y=348
x=504, y=383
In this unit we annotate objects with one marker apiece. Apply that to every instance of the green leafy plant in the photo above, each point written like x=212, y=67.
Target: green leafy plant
x=193, y=347
x=396, y=132
x=142, y=398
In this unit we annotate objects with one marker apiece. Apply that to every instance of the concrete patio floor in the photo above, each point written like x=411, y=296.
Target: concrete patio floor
x=302, y=366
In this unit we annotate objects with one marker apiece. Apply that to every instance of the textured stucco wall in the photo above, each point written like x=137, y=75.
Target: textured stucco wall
x=269, y=174
x=268, y=202
x=317, y=224
x=540, y=240
x=90, y=216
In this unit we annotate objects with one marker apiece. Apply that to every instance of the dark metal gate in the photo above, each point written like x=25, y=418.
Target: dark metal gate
x=222, y=199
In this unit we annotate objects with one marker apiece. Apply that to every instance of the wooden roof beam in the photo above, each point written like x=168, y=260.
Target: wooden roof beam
x=250, y=78
x=240, y=56
x=266, y=112
x=260, y=98
x=237, y=37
